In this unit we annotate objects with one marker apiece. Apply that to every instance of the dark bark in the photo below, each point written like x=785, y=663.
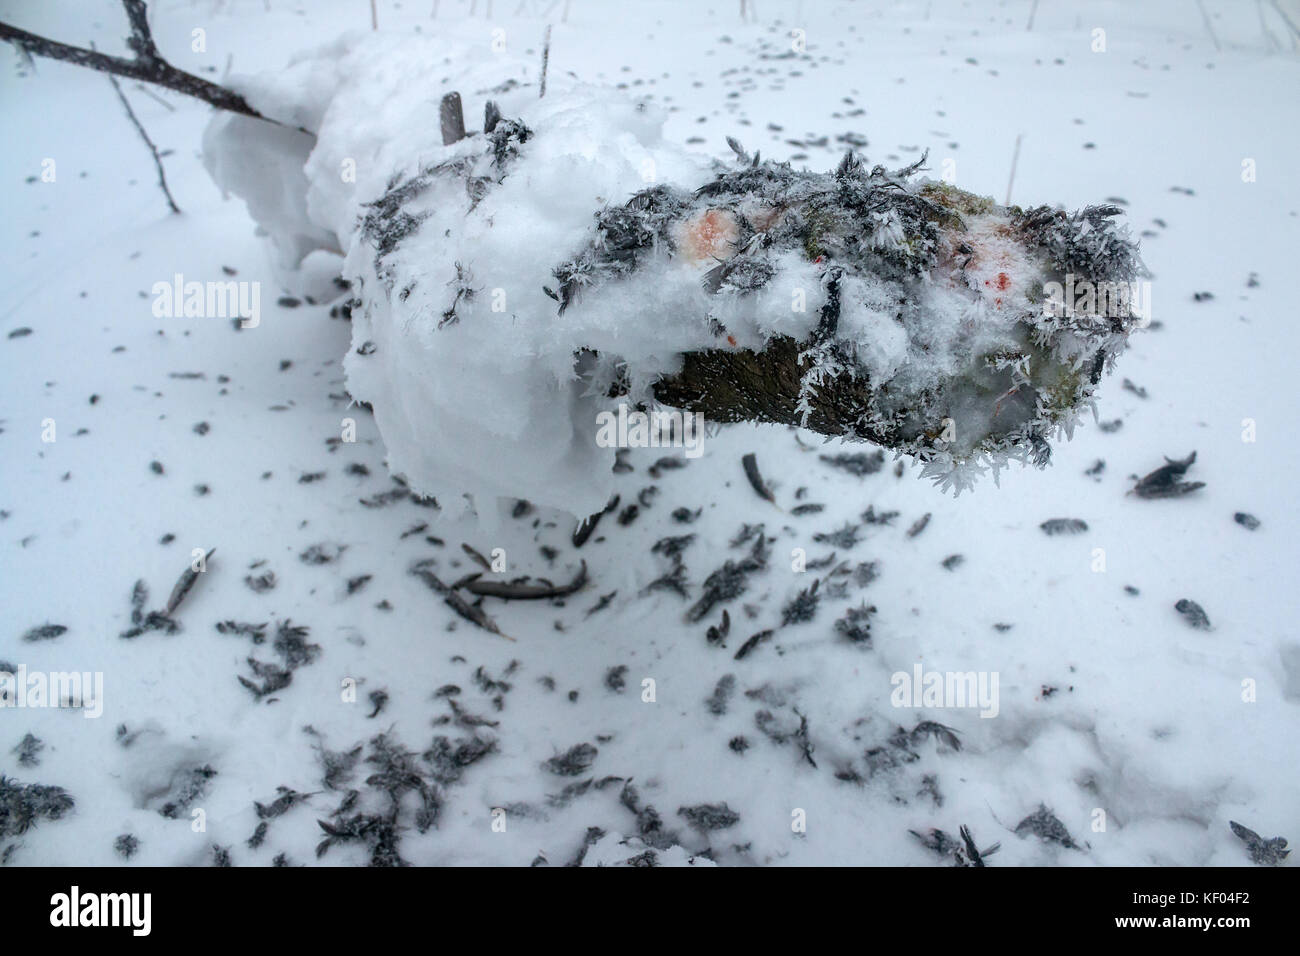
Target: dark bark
x=730, y=385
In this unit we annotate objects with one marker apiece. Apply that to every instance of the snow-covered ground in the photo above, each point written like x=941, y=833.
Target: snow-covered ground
x=608, y=726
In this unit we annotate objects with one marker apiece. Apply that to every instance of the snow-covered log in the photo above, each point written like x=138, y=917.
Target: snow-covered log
x=564, y=259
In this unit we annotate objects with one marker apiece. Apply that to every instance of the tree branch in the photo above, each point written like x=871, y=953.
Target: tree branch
x=141, y=39
x=162, y=177
x=147, y=65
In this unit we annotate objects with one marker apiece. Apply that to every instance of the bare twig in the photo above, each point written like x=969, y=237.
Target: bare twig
x=155, y=97
x=157, y=160
x=1295, y=30
x=546, y=58
x=1270, y=41
x=1206, y=17
x=1015, y=158
x=147, y=65
x=1033, y=11
x=374, y=16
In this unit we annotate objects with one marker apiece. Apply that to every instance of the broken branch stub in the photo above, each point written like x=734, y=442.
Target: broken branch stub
x=452, y=117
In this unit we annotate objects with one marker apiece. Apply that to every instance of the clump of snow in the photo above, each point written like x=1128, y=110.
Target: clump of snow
x=456, y=346
x=869, y=307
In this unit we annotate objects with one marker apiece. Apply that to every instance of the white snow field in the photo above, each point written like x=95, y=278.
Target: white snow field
x=618, y=724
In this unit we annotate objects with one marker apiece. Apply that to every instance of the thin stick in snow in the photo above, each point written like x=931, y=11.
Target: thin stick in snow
x=162, y=178
x=1270, y=41
x=155, y=97
x=1015, y=157
x=374, y=16
x=1033, y=11
x=1295, y=31
x=1206, y=17
x=546, y=59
